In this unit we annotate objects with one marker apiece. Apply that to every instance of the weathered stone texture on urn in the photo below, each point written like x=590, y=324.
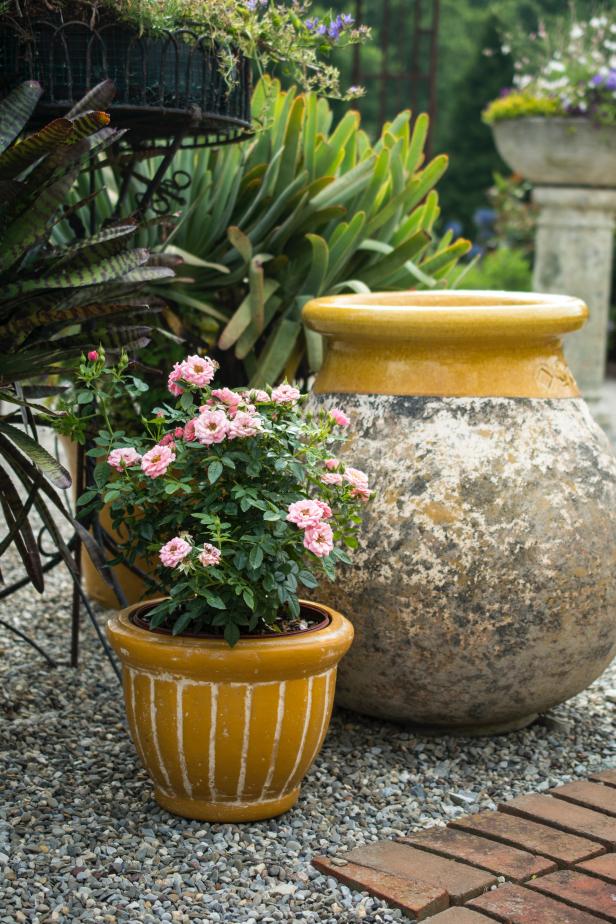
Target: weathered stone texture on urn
x=484, y=591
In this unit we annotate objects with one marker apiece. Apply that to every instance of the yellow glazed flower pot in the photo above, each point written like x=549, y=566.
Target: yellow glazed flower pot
x=484, y=588
x=227, y=734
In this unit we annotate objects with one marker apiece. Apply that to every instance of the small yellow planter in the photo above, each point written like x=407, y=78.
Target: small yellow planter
x=227, y=734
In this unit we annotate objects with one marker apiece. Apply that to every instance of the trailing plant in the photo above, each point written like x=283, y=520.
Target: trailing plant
x=567, y=69
x=307, y=207
x=50, y=296
x=237, y=494
x=268, y=32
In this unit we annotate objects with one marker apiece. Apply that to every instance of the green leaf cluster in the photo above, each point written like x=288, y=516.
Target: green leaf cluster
x=308, y=207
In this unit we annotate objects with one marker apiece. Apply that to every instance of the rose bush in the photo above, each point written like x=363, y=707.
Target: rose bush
x=238, y=496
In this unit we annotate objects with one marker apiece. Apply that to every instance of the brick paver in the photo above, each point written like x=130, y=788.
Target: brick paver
x=605, y=776
x=581, y=891
x=590, y=795
x=461, y=916
x=419, y=900
x=604, y=866
x=558, y=852
x=514, y=864
x=564, y=849
x=460, y=881
x=514, y=904
x=565, y=816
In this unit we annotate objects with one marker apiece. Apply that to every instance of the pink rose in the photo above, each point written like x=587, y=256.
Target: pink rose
x=325, y=509
x=174, y=376
x=198, y=370
x=339, y=417
x=167, y=440
x=358, y=481
x=331, y=478
x=174, y=551
x=189, y=430
x=258, y=396
x=210, y=555
x=332, y=464
x=319, y=539
x=227, y=396
x=244, y=425
x=156, y=462
x=122, y=458
x=211, y=427
x=285, y=394
x=93, y=356
x=305, y=513
x=178, y=433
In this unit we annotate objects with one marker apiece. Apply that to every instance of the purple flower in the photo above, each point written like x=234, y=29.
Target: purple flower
x=312, y=24
x=605, y=81
x=334, y=30
x=322, y=30
x=347, y=19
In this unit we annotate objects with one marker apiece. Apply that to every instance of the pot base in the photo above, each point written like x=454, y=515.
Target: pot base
x=226, y=812
x=473, y=731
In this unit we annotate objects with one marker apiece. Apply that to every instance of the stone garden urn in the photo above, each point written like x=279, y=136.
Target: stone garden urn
x=571, y=163
x=484, y=590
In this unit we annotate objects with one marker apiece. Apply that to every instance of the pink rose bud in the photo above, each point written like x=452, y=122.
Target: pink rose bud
x=93, y=356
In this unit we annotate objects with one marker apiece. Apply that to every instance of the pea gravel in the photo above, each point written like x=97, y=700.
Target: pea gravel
x=81, y=839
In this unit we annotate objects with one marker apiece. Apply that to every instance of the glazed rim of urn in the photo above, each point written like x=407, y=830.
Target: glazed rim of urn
x=446, y=315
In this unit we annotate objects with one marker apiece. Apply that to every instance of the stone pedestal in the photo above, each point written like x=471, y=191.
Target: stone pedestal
x=573, y=254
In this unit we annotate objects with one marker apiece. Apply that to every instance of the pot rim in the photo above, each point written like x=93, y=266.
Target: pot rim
x=251, y=660
x=442, y=315
x=148, y=604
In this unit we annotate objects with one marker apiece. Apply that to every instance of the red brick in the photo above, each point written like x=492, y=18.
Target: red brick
x=565, y=816
x=457, y=879
x=460, y=916
x=514, y=904
x=528, y=835
x=591, y=795
x=604, y=867
x=415, y=898
x=584, y=892
x=605, y=776
x=518, y=865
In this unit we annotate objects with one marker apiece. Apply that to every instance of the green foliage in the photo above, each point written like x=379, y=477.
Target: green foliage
x=519, y=106
x=270, y=34
x=308, y=207
x=48, y=294
x=469, y=141
x=502, y=269
x=208, y=492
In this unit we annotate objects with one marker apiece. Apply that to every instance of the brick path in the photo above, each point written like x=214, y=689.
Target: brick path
x=555, y=852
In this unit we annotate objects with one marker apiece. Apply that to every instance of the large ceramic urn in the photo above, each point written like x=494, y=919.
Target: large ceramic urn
x=484, y=589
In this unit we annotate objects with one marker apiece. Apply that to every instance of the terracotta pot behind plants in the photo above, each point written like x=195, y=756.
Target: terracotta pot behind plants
x=484, y=590
x=227, y=734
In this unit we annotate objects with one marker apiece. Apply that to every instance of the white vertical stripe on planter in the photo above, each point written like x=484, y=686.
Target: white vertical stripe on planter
x=276, y=743
x=248, y=691
x=302, y=743
x=212, y=748
x=179, y=720
x=155, y=742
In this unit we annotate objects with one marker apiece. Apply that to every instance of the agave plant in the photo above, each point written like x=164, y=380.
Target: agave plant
x=49, y=294
x=307, y=207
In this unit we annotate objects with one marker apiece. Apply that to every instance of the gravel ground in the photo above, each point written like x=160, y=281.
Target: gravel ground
x=81, y=839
